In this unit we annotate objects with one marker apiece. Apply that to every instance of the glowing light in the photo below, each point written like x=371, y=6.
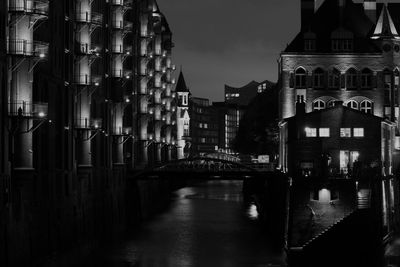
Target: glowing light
x=42, y=55
x=96, y=126
x=96, y=83
x=252, y=212
x=128, y=77
x=41, y=114
x=127, y=100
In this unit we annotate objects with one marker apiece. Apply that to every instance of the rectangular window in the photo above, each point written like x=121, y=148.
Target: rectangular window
x=311, y=132
x=345, y=132
x=358, y=132
x=324, y=132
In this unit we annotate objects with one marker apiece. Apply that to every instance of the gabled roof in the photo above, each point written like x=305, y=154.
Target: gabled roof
x=330, y=18
x=181, y=84
x=362, y=114
x=385, y=28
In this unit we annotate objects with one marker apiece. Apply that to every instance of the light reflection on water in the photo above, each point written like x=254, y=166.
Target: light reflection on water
x=206, y=225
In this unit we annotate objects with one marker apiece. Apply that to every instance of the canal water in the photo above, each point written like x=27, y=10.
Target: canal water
x=204, y=226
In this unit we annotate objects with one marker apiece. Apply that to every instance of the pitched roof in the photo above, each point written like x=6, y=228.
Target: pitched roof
x=181, y=84
x=331, y=19
x=385, y=27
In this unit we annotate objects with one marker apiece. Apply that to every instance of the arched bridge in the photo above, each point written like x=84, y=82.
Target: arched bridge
x=206, y=168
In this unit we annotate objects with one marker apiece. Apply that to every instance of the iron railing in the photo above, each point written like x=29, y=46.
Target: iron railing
x=83, y=79
x=87, y=123
x=27, y=109
x=24, y=47
x=40, y=7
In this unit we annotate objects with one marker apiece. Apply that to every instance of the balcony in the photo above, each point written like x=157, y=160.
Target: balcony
x=21, y=47
x=117, y=2
x=116, y=73
x=86, y=123
x=39, y=7
x=117, y=24
x=117, y=49
x=83, y=79
x=28, y=109
x=84, y=17
x=123, y=131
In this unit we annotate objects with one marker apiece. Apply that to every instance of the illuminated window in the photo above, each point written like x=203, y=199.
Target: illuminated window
x=366, y=79
x=324, y=132
x=352, y=104
x=311, y=132
x=334, y=79
x=351, y=79
x=301, y=78
x=318, y=78
x=358, y=132
x=318, y=104
x=345, y=132
x=366, y=106
x=331, y=103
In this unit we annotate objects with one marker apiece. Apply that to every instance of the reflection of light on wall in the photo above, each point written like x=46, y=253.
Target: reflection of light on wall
x=252, y=212
x=324, y=195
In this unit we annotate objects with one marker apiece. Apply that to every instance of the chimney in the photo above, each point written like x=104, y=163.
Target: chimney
x=370, y=9
x=300, y=106
x=307, y=11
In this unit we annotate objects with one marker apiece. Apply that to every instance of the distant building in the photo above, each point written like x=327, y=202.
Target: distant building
x=243, y=95
x=203, y=127
x=229, y=116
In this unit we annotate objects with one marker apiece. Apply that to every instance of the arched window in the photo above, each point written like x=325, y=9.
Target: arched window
x=366, y=106
x=300, y=78
x=318, y=78
x=318, y=104
x=352, y=104
x=334, y=79
x=366, y=79
x=351, y=79
x=331, y=103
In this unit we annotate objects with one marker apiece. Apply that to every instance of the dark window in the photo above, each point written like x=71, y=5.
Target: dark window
x=318, y=78
x=334, y=79
x=309, y=45
x=351, y=79
x=366, y=79
x=301, y=78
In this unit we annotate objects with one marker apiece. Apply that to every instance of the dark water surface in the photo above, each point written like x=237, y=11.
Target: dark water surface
x=205, y=226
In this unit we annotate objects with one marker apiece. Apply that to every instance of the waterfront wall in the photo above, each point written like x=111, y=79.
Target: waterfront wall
x=54, y=213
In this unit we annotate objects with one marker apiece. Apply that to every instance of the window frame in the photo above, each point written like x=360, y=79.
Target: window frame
x=358, y=132
x=327, y=133
x=320, y=107
x=367, y=109
x=300, y=78
x=344, y=131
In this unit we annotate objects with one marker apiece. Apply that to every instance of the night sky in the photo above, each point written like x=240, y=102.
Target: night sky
x=229, y=41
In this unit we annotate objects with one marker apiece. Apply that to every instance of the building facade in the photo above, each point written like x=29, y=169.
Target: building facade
x=229, y=116
x=344, y=51
x=80, y=108
x=182, y=118
x=336, y=142
x=204, y=127
x=243, y=95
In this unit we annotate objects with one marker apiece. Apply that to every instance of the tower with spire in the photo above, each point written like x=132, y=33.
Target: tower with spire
x=182, y=116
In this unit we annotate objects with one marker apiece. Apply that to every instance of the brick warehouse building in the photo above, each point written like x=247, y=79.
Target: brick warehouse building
x=347, y=54
x=80, y=108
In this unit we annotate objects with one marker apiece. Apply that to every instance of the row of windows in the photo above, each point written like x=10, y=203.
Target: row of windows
x=332, y=79
x=325, y=132
x=337, y=45
x=261, y=88
x=365, y=105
